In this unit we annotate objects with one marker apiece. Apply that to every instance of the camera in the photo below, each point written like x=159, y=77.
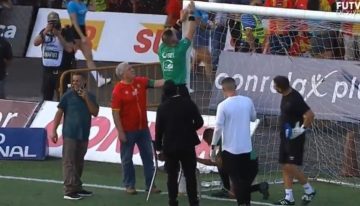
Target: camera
x=56, y=24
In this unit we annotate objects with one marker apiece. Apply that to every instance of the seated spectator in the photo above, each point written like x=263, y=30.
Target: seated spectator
x=120, y=6
x=351, y=34
x=324, y=35
x=219, y=32
x=278, y=37
x=301, y=39
x=249, y=34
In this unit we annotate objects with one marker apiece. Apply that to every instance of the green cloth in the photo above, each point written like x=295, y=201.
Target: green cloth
x=151, y=83
x=100, y=5
x=253, y=155
x=77, y=117
x=173, y=61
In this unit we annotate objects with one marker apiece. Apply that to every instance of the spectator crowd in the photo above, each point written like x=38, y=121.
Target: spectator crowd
x=249, y=33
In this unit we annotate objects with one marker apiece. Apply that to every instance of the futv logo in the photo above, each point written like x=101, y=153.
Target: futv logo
x=348, y=6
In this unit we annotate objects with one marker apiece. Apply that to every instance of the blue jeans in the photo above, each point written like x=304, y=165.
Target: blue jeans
x=142, y=139
x=2, y=89
x=218, y=39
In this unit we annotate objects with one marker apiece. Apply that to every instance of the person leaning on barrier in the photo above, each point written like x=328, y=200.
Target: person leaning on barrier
x=57, y=54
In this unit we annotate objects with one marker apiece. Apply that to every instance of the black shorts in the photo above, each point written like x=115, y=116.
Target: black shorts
x=75, y=34
x=292, y=151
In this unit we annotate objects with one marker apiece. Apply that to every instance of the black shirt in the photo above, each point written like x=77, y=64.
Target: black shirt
x=5, y=54
x=293, y=107
x=177, y=120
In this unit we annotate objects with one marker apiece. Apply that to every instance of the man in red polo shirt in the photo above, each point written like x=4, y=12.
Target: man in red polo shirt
x=129, y=113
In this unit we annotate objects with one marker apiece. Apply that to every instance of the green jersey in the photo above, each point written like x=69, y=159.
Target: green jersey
x=173, y=61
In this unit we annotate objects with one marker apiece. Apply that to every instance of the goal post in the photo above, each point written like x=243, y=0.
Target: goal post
x=315, y=56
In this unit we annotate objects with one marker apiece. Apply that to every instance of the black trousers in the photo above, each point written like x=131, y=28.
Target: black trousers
x=187, y=158
x=51, y=83
x=237, y=166
x=225, y=179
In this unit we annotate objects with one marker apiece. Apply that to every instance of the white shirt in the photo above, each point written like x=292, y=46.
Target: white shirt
x=52, y=51
x=233, y=118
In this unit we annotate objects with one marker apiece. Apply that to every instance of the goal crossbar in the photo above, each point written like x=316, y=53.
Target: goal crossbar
x=277, y=12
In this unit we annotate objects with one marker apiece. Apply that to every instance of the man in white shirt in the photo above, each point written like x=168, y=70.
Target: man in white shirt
x=233, y=124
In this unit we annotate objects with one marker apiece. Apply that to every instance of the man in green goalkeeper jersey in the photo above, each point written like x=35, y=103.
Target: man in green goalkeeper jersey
x=172, y=52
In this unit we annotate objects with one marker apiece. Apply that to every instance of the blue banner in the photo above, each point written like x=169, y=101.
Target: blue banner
x=23, y=144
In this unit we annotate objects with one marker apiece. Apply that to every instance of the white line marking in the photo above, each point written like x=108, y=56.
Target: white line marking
x=112, y=188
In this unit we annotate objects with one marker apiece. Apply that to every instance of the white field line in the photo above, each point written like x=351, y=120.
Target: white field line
x=49, y=181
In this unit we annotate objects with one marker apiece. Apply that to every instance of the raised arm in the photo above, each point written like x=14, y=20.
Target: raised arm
x=189, y=34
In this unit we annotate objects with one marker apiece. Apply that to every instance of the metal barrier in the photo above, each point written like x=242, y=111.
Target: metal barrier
x=104, y=93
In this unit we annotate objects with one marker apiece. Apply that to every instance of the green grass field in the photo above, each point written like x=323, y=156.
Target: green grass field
x=40, y=191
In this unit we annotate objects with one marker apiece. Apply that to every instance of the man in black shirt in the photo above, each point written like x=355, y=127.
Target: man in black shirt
x=57, y=55
x=294, y=112
x=5, y=57
x=177, y=120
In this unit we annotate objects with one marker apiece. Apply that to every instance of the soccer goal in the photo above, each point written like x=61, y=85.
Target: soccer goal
x=318, y=51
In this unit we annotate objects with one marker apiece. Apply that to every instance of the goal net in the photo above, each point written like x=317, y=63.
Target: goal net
x=318, y=51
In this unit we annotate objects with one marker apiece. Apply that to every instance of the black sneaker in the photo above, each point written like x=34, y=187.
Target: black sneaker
x=284, y=202
x=307, y=198
x=72, y=196
x=264, y=190
x=84, y=193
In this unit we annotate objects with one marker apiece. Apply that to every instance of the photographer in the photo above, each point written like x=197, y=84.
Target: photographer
x=57, y=54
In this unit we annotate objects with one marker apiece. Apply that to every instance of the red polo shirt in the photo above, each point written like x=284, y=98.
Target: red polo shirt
x=130, y=101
